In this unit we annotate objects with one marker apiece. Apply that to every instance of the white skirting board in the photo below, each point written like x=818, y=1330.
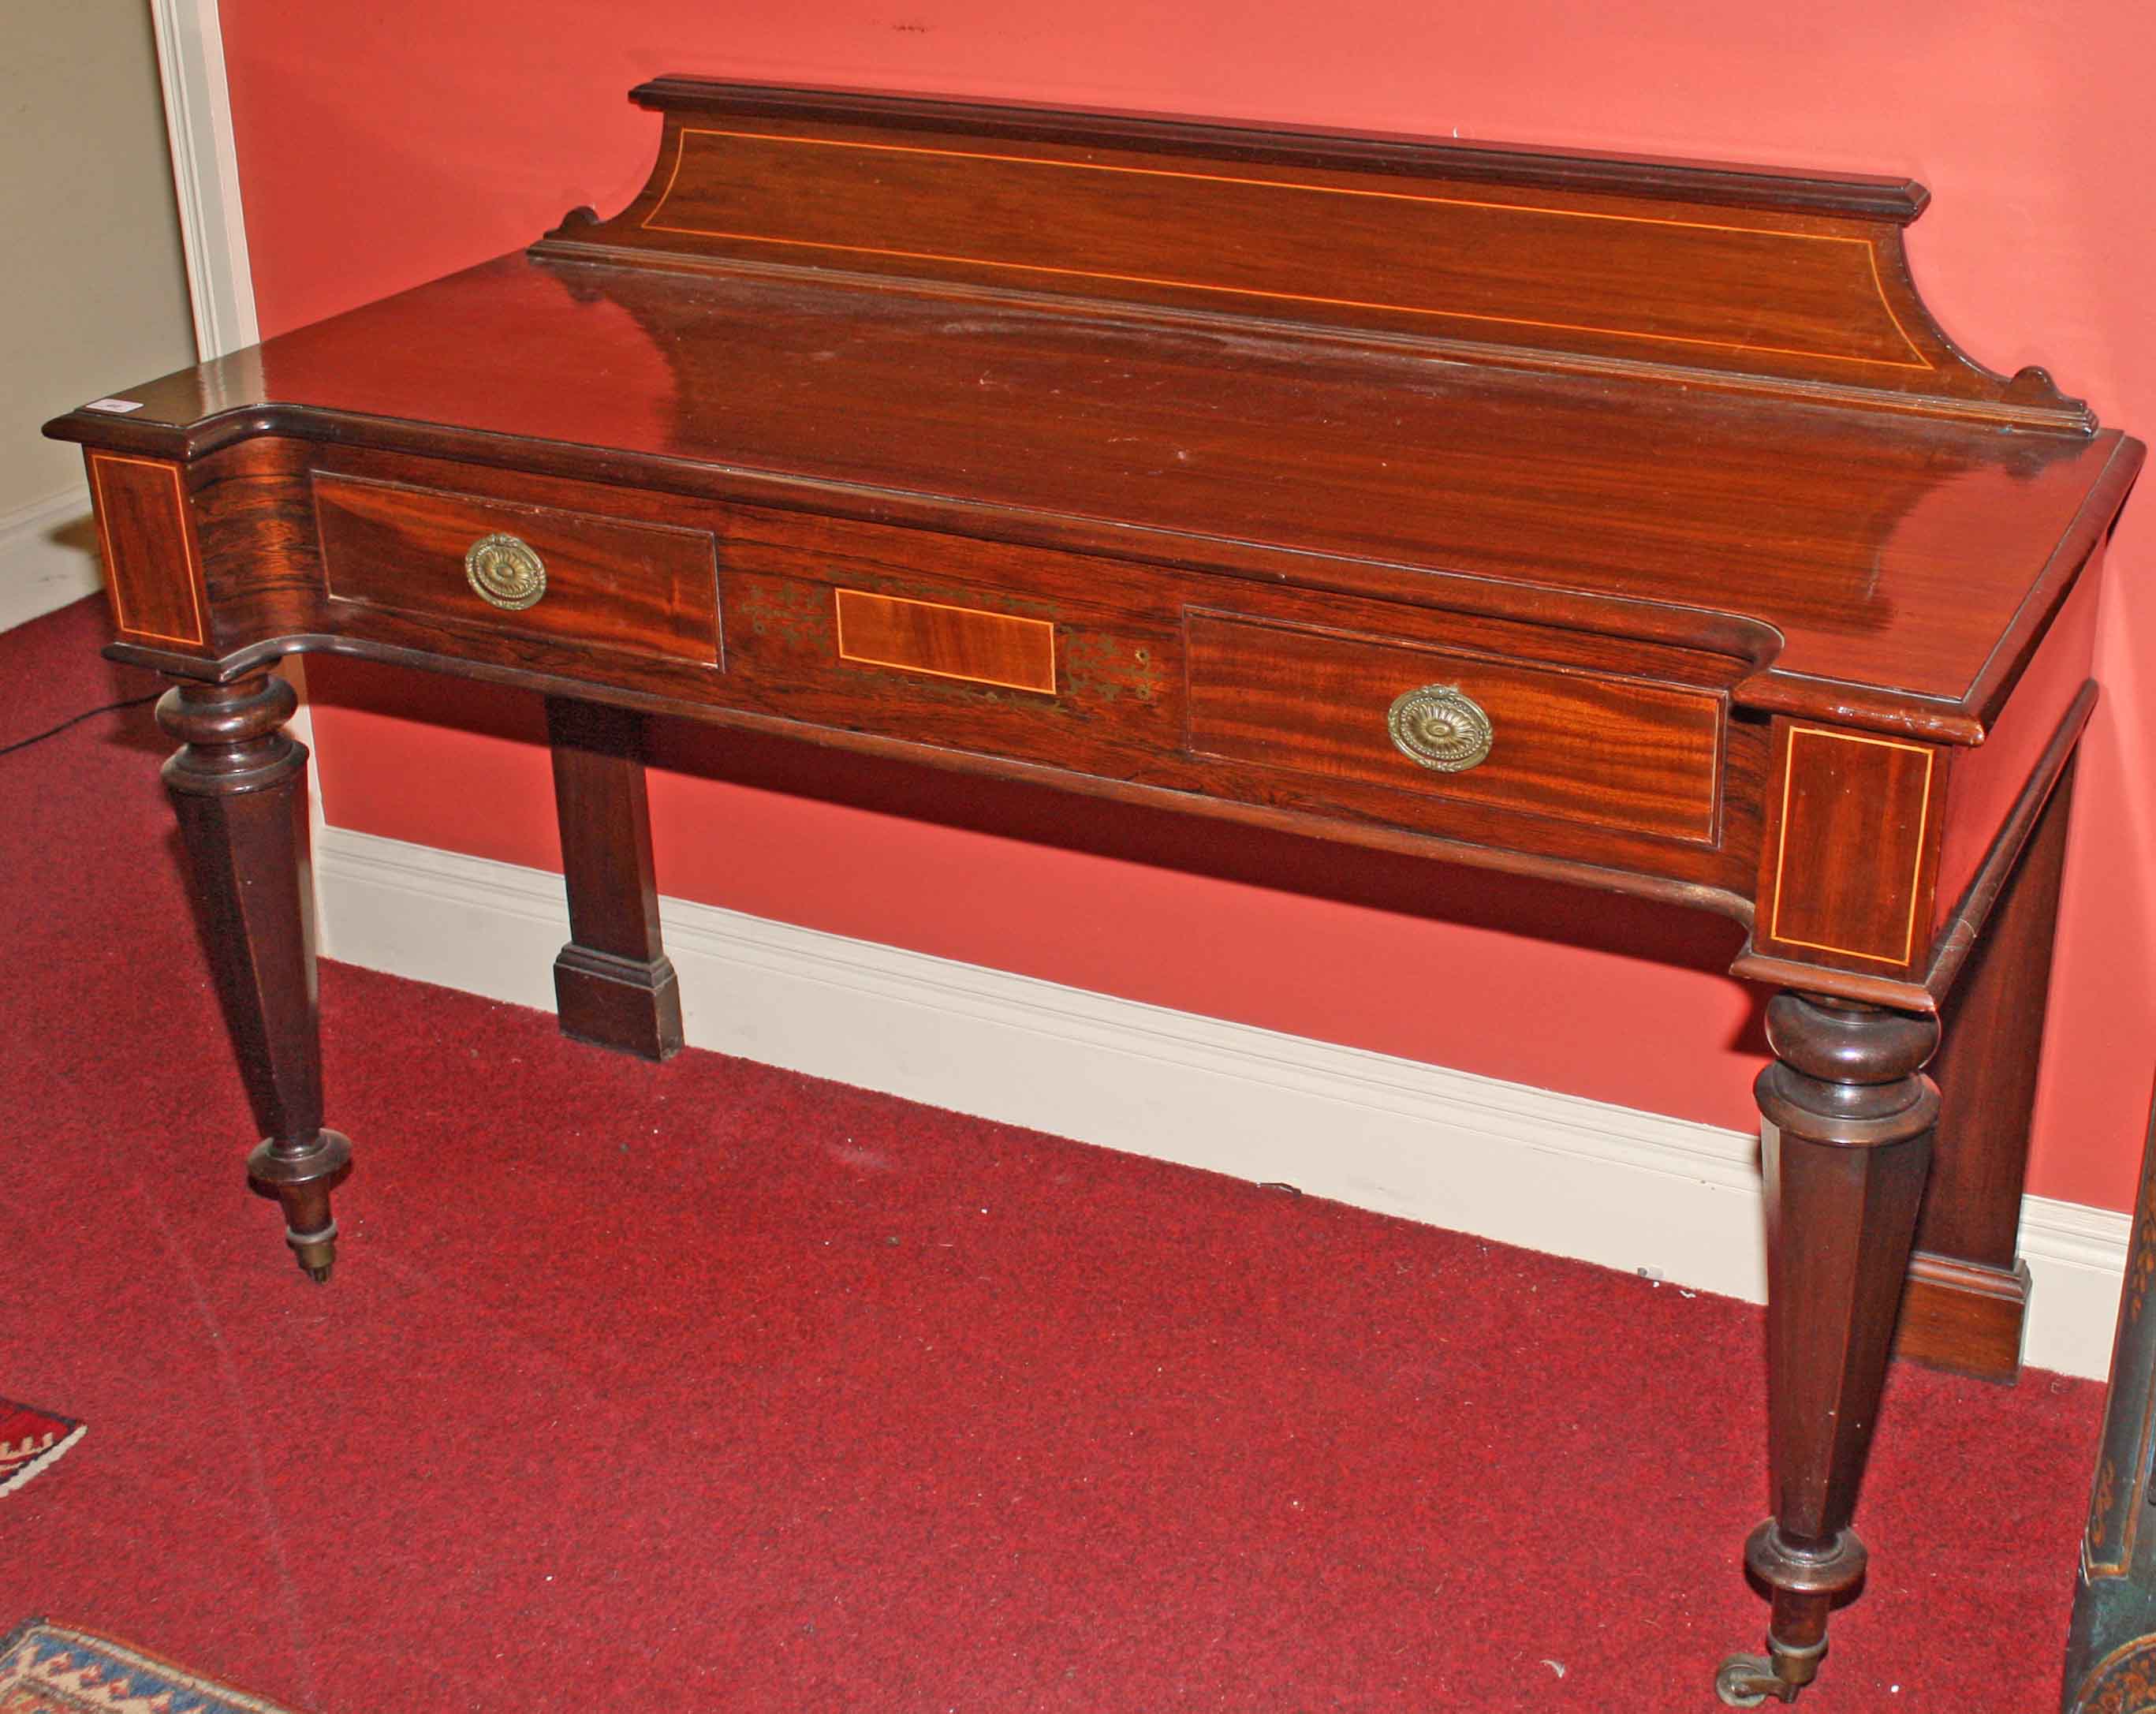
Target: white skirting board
x=48, y=556
x=1551, y=1172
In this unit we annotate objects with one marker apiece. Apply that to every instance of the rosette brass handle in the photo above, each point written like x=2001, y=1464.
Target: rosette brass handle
x=1441, y=727
x=505, y=571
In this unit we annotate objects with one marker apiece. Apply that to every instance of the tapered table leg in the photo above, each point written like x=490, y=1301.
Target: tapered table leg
x=1846, y=1119
x=239, y=784
x=614, y=983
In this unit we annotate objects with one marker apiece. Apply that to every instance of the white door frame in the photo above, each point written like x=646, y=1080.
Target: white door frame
x=205, y=173
x=213, y=236
x=46, y=558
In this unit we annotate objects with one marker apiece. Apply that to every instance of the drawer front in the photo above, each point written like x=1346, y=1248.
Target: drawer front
x=637, y=589
x=1018, y=652
x=1599, y=750
x=1609, y=749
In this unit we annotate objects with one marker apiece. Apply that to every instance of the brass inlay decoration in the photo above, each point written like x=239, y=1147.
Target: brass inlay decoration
x=114, y=581
x=1440, y=727
x=945, y=641
x=1782, y=847
x=505, y=571
x=651, y=224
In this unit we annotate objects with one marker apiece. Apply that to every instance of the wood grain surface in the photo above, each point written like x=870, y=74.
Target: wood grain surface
x=944, y=641
x=633, y=588
x=1611, y=752
x=1873, y=568
x=145, y=535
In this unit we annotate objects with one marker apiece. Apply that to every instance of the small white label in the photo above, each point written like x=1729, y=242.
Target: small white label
x=118, y=407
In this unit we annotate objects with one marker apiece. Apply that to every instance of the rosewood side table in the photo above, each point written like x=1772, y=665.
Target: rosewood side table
x=1630, y=523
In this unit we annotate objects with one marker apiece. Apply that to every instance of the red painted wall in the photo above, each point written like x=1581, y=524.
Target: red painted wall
x=382, y=145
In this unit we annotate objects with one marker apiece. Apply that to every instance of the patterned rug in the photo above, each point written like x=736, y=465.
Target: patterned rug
x=29, y=1441
x=48, y=1669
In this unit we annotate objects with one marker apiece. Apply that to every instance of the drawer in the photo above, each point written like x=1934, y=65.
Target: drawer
x=1023, y=653
x=603, y=582
x=1602, y=749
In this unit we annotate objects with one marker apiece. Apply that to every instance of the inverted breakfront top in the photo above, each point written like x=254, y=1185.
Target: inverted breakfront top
x=1708, y=409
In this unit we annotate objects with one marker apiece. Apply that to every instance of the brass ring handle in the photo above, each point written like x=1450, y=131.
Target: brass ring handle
x=505, y=571
x=1441, y=727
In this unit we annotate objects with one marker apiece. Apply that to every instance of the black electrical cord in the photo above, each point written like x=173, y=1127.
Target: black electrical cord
x=23, y=743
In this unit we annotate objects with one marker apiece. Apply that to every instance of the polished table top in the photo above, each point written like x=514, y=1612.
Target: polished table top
x=1876, y=565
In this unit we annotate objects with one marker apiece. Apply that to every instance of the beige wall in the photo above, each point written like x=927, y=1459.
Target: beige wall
x=93, y=288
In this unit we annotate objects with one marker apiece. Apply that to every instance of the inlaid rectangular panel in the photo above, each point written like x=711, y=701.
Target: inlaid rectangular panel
x=947, y=642
x=1604, y=750
x=1362, y=250
x=152, y=565
x=1852, y=846
x=609, y=582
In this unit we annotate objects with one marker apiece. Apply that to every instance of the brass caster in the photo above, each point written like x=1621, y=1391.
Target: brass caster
x=1747, y=1681
x=300, y=1176
x=316, y=1251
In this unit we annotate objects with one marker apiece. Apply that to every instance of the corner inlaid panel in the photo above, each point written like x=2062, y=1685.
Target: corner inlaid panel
x=152, y=566
x=1852, y=848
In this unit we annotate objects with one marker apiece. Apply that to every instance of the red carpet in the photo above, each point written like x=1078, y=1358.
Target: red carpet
x=714, y=1387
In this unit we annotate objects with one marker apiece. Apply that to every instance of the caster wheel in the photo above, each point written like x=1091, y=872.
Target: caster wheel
x=1747, y=1681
